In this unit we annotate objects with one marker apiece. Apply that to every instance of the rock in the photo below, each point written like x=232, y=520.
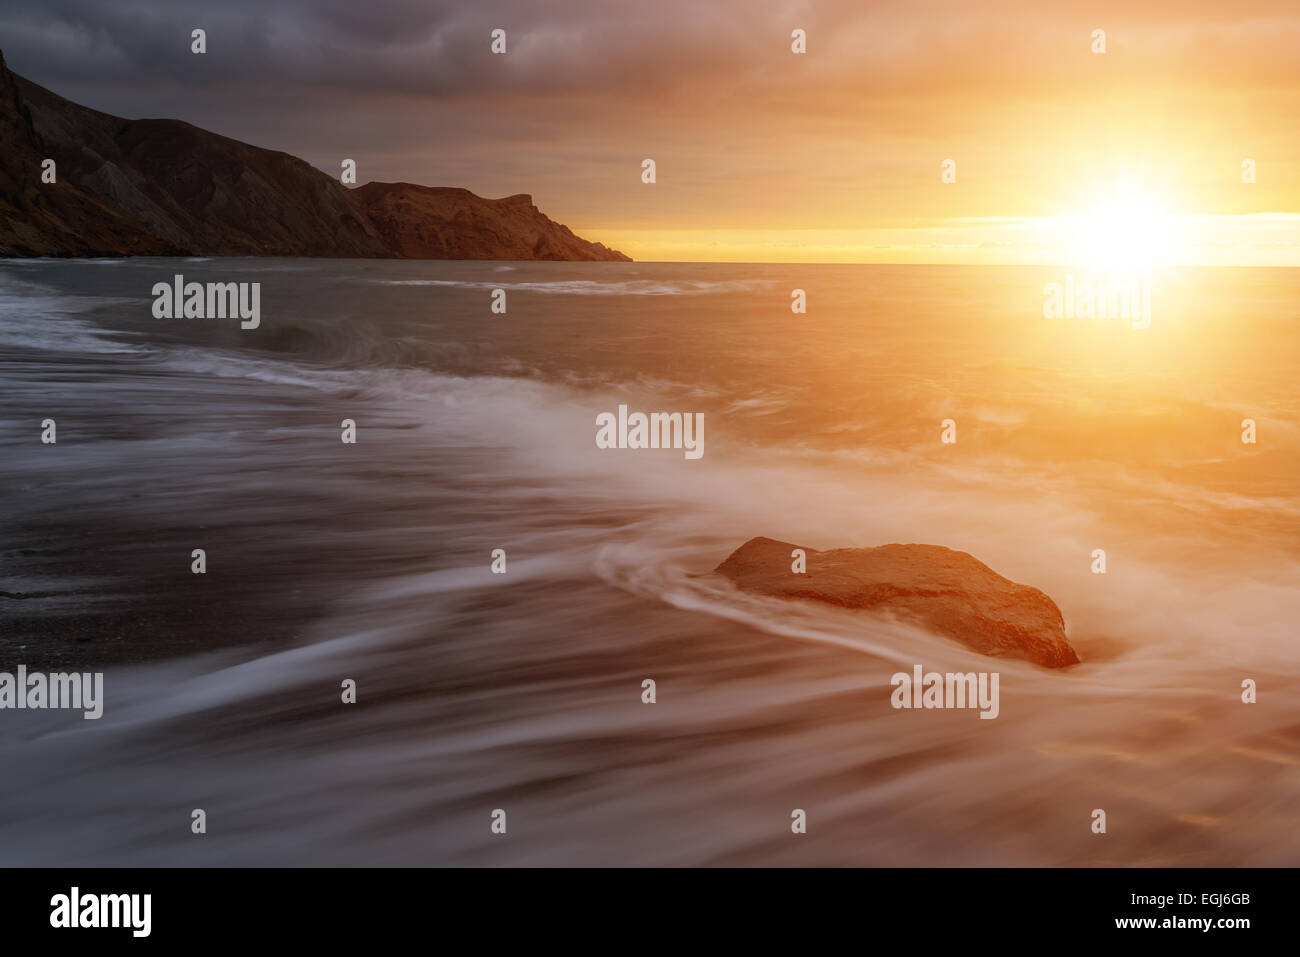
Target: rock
x=442, y=222
x=946, y=591
x=166, y=188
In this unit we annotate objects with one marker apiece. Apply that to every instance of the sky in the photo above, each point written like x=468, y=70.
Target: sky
x=761, y=153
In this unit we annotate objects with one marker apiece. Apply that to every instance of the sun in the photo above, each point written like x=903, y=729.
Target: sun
x=1123, y=230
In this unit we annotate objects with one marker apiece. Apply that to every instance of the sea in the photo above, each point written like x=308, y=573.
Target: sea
x=498, y=590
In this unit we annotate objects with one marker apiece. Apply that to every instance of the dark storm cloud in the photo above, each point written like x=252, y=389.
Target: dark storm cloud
x=397, y=46
x=744, y=131
x=647, y=49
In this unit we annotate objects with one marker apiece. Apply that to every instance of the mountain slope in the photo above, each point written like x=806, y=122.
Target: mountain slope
x=164, y=187
x=54, y=220
x=440, y=222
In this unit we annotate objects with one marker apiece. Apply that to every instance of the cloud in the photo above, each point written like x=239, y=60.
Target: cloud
x=745, y=132
x=440, y=49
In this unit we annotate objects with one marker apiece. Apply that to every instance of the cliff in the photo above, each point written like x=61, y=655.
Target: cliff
x=44, y=220
x=164, y=187
x=440, y=222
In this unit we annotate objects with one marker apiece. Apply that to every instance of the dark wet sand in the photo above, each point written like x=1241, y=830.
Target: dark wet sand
x=117, y=595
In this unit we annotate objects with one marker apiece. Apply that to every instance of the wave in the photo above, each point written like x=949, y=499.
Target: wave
x=33, y=317
x=479, y=691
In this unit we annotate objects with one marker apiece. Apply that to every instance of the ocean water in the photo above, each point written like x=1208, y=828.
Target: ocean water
x=522, y=691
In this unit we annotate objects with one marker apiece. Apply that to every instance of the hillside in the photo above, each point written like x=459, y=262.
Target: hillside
x=165, y=187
